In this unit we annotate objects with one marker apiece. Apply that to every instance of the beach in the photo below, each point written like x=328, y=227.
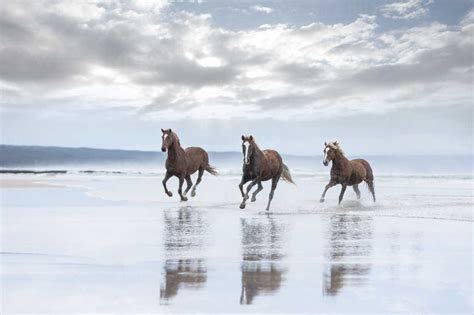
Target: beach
x=115, y=243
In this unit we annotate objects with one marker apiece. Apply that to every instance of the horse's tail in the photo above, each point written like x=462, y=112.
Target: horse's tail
x=370, y=173
x=211, y=169
x=286, y=175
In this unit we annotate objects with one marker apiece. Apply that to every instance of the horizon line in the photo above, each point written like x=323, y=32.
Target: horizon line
x=223, y=152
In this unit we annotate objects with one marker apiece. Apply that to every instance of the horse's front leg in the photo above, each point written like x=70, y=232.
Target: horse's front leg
x=180, y=189
x=246, y=196
x=259, y=189
x=167, y=176
x=329, y=185
x=243, y=181
x=343, y=190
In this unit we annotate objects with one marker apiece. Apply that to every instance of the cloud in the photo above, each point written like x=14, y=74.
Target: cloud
x=404, y=10
x=261, y=8
x=152, y=57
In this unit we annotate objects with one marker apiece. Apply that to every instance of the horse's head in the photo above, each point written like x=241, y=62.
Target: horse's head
x=167, y=139
x=247, y=148
x=330, y=149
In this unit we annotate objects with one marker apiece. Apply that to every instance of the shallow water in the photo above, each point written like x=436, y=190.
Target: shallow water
x=117, y=244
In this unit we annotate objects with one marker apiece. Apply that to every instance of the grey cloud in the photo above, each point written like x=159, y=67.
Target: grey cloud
x=188, y=74
x=21, y=65
x=300, y=73
x=288, y=100
x=431, y=66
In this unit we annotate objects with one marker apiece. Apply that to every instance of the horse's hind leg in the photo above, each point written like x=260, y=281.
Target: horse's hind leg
x=341, y=195
x=167, y=176
x=180, y=189
x=371, y=188
x=274, y=185
x=189, y=183
x=356, y=190
x=193, y=192
x=259, y=189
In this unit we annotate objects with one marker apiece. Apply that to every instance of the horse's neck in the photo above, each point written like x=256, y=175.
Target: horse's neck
x=175, y=152
x=340, y=161
x=257, y=155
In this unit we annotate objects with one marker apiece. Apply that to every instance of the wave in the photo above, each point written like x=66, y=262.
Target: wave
x=228, y=172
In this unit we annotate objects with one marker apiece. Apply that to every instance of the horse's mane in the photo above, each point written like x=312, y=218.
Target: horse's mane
x=176, y=138
x=335, y=145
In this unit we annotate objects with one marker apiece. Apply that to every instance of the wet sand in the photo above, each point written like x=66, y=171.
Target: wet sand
x=116, y=244
x=22, y=183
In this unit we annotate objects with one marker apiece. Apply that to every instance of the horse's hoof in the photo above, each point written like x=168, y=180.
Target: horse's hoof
x=193, y=193
x=321, y=200
x=242, y=206
x=253, y=199
x=170, y=194
x=184, y=199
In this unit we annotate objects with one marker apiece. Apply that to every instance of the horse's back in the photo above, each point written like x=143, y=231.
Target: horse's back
x=196, y=157
x=363, y=167
x=274, y=162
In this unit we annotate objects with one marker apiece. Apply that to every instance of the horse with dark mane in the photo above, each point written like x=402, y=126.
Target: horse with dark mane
x=182, y=163
x=261, y=166
x=345, y=172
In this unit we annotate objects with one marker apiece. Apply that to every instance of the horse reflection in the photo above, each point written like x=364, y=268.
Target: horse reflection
x=184, y=233
x=261, y=253
x=349, y=241
x=189, y=272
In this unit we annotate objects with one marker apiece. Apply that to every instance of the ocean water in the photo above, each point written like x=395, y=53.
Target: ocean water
x=111, y=241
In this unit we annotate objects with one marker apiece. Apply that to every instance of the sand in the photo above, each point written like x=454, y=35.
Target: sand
x=113, y=244
x=22, y=183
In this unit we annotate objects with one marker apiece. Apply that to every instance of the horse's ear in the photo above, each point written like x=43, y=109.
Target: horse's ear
x=243, y=138
x=336, y=143
x=325, y=143
x=162, y=130
x=251, y=138
x=170, y=130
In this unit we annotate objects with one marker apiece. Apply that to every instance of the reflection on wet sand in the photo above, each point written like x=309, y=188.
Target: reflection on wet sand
x=184, y=237
x=350, y=238
x=261, y=253
x=189, y=272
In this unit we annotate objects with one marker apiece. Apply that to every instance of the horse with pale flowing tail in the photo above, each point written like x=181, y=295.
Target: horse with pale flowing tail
x=261, y=166
x=345, y=172
x=182, y=163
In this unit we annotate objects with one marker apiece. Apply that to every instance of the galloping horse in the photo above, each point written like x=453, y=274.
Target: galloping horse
x=183, y=163
x=261, y=166
x=345, y=172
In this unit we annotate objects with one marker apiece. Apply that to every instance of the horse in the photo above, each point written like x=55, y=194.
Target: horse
x=261, y=166
x=182, y=163
x=345, y=172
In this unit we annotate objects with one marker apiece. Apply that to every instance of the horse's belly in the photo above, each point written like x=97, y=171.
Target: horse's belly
x=355, y=180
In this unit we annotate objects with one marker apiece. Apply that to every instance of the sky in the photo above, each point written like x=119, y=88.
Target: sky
x=381, y=77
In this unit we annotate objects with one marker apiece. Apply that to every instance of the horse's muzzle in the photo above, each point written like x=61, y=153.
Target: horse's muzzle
x=163, y=149
x=326, y=163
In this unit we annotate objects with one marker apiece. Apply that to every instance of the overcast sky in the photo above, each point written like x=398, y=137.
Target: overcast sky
x=388, y=77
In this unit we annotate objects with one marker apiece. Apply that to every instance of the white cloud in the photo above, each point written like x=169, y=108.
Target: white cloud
x=179, y=62
x=404, y=10
x=261, y=8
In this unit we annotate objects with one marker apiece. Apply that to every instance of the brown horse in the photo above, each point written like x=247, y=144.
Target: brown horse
x=183, y=163
x=345, y=172
x=261, y=166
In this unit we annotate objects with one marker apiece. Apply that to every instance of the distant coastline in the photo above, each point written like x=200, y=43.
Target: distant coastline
x=19, y=159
